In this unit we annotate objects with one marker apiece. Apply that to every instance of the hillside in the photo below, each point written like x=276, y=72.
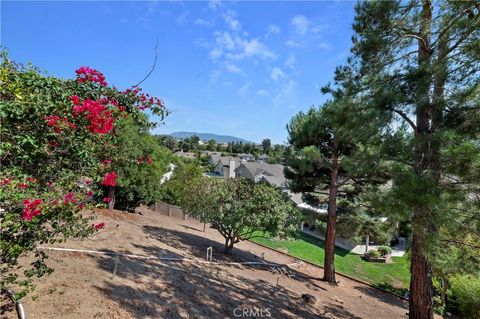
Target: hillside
x=210, y=136
x=162, y=273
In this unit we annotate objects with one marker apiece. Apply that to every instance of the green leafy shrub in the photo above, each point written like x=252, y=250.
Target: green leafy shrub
x=57, y=138
x=464, y=296
x=374, y=253
x=384, y=250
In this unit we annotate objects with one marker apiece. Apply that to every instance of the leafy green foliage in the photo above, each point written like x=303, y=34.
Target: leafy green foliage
x=384, y=250
x=464, y=296
x=140, y=163
x=239, y=209
x=173, y=191
x=56, y=135
x=374, y=253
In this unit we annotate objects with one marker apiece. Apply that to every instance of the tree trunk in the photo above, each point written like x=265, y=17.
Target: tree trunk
x=111, y=195
x=329, y=261
x=367, y=240
x=421, y=286
x=443, y=293
x=228, y=246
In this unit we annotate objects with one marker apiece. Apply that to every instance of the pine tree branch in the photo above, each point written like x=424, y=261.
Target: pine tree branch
x=406, y=118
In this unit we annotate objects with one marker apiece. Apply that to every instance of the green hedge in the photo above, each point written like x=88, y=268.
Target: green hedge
x=464, y=296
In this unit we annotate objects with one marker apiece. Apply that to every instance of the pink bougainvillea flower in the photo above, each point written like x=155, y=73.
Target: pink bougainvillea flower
x=69, y=198
x=55, y=202
x=140, y=160
x=101, y=120
x=149, y=160
x=81, y=205
x=49, y=184
x=75, y=99
x=109, y=179
x=107, y=199
x=89, y=194
x=22, y=186
x=5, y=181
x=53, y=143
x=85, y=74
x=99, y=226
x=107, y=161
x=31, y=208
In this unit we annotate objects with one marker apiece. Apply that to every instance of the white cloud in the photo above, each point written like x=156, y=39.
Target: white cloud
x=300, y=24
x=271, y=29
x=182, y=19
x=262, y=92
x=292, y=44
x=277, y=74
x=232, y=68
x=239, y=47
x=202, y=43
x=290, y=62
x=225, y=40
x=231, y=21
x=254, y=47
x=324, y=45
x=203, y=23
x=245, y=89
x=214, y=4
x=287, y=95
x=215, y=54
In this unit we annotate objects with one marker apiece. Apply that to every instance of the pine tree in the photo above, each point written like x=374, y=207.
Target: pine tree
x=417, y=65
x=324, y=157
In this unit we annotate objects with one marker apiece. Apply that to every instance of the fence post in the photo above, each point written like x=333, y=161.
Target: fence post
x=209, y=254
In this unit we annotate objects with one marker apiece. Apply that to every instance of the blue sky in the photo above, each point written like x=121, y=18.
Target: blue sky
x=237, y=68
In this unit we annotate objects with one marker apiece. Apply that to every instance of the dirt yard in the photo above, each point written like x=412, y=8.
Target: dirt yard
x=92, y=286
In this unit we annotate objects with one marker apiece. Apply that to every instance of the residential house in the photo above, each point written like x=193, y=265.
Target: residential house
x=185, y=154
x=247, y=157
x=226, y=166
x=271, y=173
x=263, y=158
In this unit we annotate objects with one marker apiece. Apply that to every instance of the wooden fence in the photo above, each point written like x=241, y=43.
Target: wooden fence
x=169, y=210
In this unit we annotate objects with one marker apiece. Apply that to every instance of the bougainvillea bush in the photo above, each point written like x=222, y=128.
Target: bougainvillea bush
x=60, y=154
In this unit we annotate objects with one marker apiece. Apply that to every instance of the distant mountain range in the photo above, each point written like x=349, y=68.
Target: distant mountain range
x=210, y=136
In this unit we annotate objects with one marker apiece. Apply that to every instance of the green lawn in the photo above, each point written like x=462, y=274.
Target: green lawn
x=394, y=276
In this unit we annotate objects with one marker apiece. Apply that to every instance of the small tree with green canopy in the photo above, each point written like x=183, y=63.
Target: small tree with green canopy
x=266, y=145
x=240, y=209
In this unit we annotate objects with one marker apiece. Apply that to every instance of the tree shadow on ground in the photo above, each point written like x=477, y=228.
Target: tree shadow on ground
x=197, y=245
x=170, y=289
x=382, y=296
x=178, y=290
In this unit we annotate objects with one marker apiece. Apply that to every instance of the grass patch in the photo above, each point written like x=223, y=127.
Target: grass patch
x=394, y=277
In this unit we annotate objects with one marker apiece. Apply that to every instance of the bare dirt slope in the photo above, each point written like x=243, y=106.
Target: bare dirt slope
x=84, y=286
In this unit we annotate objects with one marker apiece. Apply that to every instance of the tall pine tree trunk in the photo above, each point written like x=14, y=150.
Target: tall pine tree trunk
x=421, y=286
x=329, y=261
